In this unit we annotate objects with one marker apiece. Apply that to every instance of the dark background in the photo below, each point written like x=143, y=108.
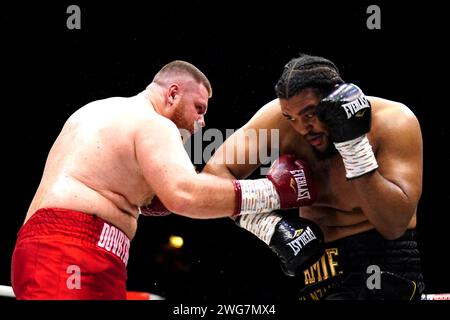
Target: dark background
x=49, y=71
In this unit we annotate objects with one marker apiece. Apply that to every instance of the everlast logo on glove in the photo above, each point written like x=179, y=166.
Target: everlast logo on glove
x=354, y=107
x=298, y=243
x=300, y=179
x=347, y=114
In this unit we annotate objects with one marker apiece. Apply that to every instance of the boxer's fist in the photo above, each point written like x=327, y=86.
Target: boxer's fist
x=292, y=180
x=297, y=242
x=346, y=112
x=289, y=184
x=155, y=208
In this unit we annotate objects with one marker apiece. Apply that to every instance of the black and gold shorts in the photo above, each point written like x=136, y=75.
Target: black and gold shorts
x=366, y=266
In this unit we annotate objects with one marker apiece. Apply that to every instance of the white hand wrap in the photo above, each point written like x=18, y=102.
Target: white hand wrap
x=261, y=225
x=258, y=196
x=358, y=156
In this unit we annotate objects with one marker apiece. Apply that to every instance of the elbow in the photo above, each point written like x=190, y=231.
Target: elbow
x=401, y=217
x=178, y=204
x=186, y=206
x=393, y=232
x=178, y=199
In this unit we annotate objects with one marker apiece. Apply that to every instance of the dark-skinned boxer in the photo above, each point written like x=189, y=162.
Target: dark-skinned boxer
x=366, y=158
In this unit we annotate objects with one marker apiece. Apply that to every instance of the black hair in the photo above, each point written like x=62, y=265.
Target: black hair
x=307, y=71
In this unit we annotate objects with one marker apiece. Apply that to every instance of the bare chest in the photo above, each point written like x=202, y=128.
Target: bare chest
x=104, y=164
x=335, y=190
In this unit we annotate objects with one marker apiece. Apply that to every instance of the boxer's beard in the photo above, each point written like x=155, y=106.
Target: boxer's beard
x=329, y=152
x=180, y=121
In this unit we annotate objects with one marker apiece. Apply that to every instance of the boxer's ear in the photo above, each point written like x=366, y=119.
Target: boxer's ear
x=172, y=93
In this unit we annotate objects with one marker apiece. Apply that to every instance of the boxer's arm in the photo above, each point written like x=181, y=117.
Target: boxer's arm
x=170, y=173
x=391, y=194
x=168, y=170
x=224, y=161
x=235, y=158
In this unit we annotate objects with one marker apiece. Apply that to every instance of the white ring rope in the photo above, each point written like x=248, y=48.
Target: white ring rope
x=7, y=291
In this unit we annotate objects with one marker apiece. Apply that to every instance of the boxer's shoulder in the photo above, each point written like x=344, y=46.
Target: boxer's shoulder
x=270, y=117
x=386, y=111
x=100, y=110
x=389, y=118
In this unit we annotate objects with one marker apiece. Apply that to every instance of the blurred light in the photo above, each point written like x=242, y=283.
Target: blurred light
x=176, y=242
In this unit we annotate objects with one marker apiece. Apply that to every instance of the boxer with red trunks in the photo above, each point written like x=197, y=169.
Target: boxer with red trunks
x=66, y=254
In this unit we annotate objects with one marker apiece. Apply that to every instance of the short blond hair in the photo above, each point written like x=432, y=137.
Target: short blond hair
x=183, y=67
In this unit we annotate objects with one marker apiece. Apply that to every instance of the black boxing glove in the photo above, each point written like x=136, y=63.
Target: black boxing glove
x=347, y=114
x=297, y=242
x=155, y=208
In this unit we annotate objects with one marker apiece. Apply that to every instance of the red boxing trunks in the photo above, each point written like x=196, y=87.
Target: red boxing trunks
x=64, y=254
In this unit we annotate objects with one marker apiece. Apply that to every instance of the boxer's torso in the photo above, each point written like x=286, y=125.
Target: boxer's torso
x=92, y=166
